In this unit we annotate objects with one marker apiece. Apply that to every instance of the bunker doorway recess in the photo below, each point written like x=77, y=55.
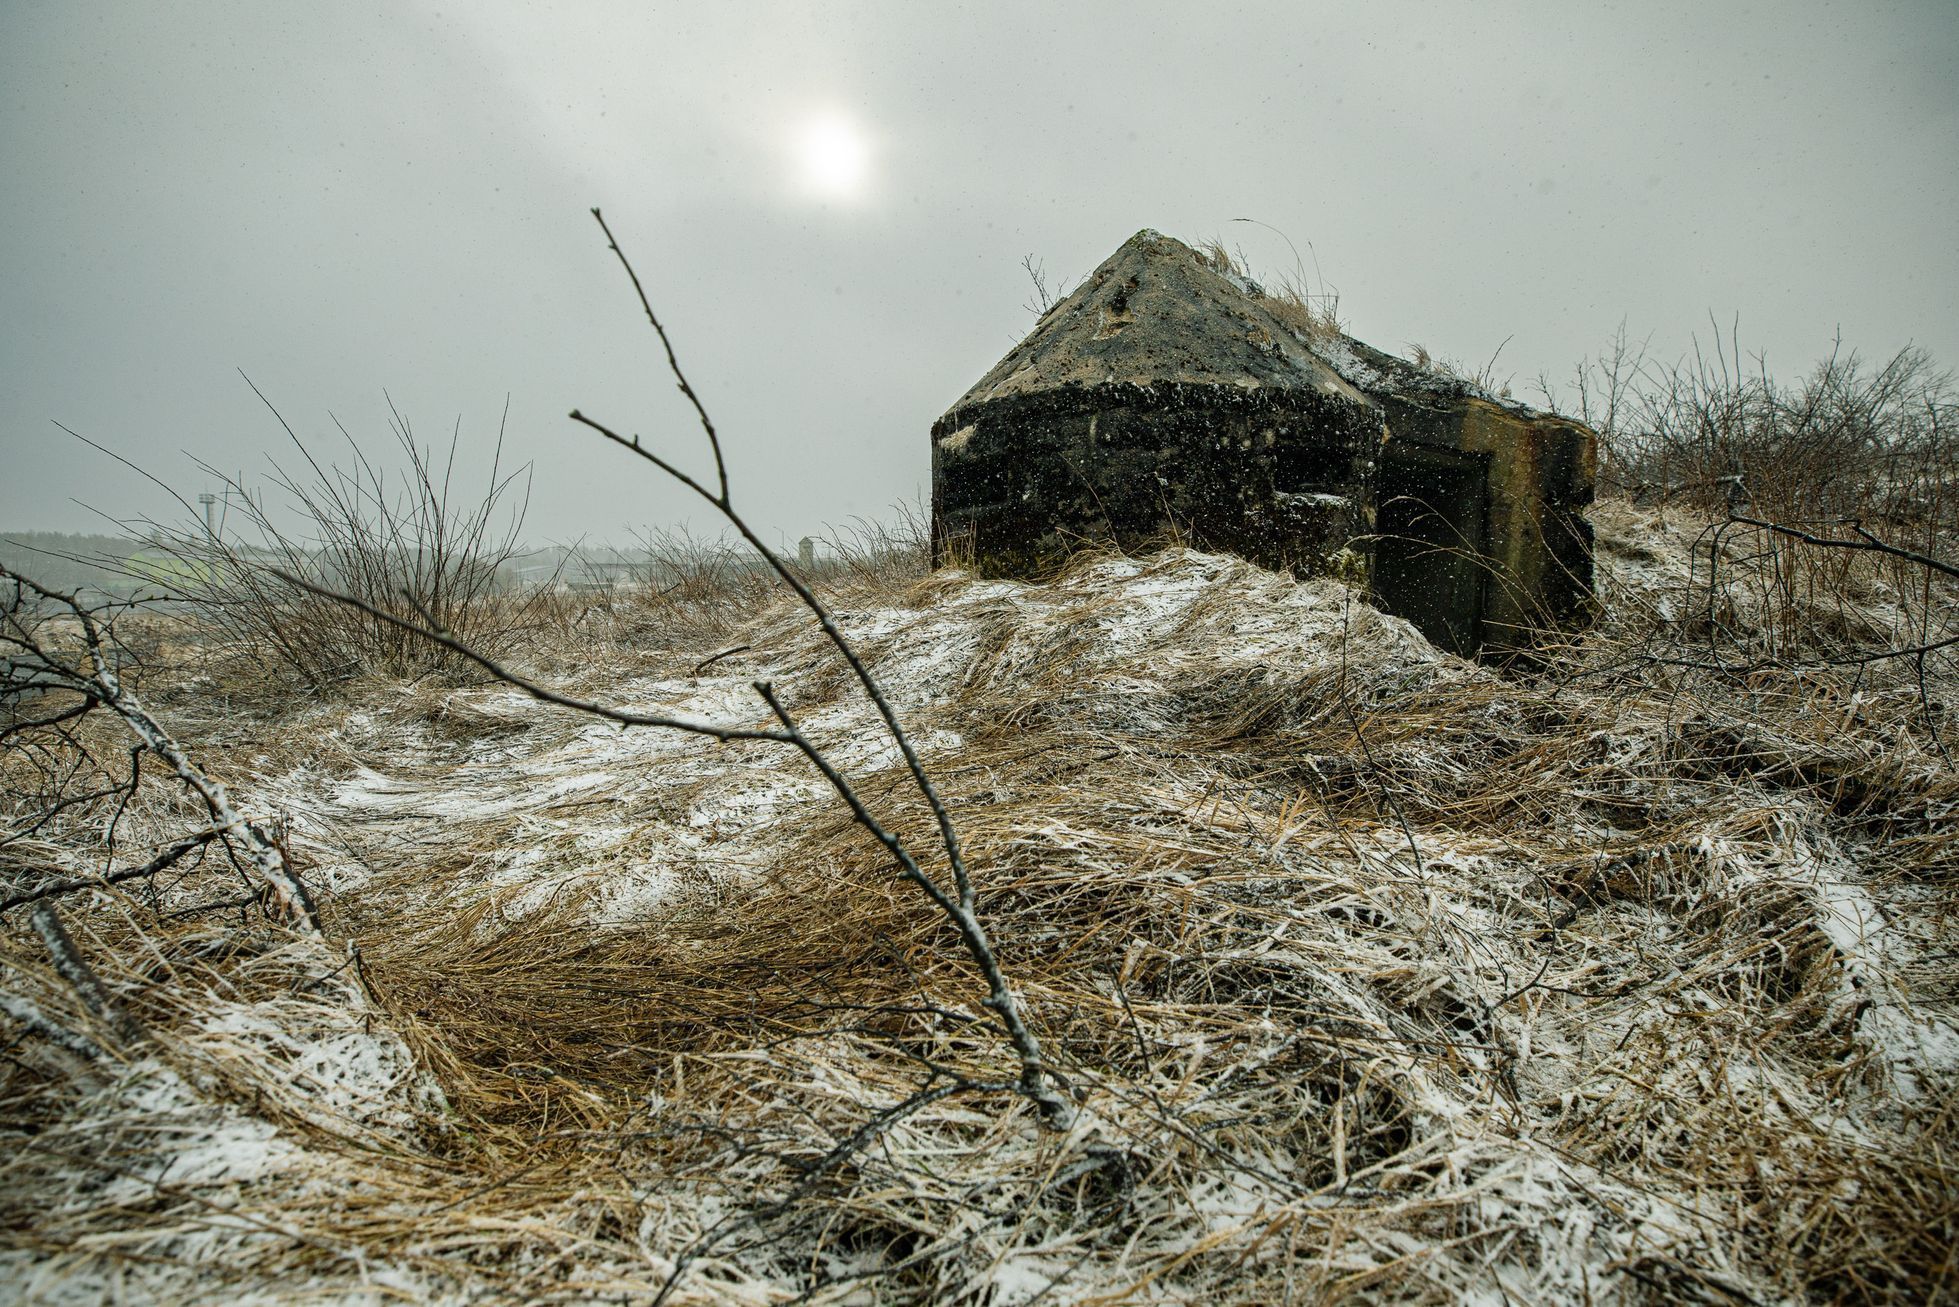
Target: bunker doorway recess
x=1431, y=547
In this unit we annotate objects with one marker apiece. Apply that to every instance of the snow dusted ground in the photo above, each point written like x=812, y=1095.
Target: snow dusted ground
x=1374, y=973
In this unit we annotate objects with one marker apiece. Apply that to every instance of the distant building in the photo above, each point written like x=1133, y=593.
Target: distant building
x=1170, y=399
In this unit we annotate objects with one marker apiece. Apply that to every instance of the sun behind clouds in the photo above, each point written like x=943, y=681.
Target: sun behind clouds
x=833, y=156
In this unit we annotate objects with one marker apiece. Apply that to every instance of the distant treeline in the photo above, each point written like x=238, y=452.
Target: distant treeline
x=64, y=560
x=123, y=566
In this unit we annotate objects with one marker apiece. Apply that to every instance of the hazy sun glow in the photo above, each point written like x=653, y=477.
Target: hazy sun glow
x=835, y=157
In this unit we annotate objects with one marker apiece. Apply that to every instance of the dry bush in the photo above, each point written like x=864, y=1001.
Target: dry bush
x=680, y=594
x=881, y=556
x=1848, y=441
x=1824, y=513
x=693, y=592
x=406, y=539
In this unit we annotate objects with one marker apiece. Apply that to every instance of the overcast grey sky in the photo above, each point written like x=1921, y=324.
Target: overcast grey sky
x=828, y=203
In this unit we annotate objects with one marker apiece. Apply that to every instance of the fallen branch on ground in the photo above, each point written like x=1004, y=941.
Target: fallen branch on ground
x=98, y=682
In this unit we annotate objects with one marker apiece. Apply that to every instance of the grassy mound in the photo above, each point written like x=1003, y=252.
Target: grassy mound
x=1623, y=976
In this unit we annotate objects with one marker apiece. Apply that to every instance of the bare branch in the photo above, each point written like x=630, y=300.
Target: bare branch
x=828, y=624
x=673, y=363
x=714, y=658
x=29, y=1014
x=161, y=862
x=1868, y=543
x=537, y=691
x=74, y=968
x=1000, y=995
x=262, y=850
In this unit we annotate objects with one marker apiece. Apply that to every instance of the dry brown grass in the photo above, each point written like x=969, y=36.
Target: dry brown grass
x=1314, y=314
x=1376, y=974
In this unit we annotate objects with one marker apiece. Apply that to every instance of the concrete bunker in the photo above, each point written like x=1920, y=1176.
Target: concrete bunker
x=1167, y=399
x=1431, y=533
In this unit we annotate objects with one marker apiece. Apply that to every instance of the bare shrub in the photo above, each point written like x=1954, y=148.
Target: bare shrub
x=1716, y=430
x=681, y=591
x=692, y=590
x=1046, y=295
x=406, y=539
x=883, y=555
x=1827, y=508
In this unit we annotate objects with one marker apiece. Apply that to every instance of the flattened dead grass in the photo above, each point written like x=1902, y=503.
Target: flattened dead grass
x=1372, y=972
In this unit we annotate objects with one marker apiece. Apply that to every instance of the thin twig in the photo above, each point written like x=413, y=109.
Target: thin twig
x=543, y=693
x=712, y=659
x=1000, y=998
x=673, y=363
x=1869, y=543
x=261, y=849
x=161, y=862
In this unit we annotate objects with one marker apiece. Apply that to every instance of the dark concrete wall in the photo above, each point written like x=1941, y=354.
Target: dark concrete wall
x=1289, y=478
x=1276, y=476
x=1432, y=541
x=1540, y=472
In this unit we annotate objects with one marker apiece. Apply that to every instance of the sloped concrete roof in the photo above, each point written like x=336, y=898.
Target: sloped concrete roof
x=1157, y=312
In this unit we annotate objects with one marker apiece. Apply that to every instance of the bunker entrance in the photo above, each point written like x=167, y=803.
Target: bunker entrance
x=1431, y=540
